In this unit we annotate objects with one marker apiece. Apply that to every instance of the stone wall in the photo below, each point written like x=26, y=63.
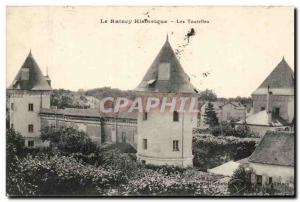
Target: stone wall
x=98, y=129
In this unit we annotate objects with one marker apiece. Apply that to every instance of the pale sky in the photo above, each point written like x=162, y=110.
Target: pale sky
x=239, y=46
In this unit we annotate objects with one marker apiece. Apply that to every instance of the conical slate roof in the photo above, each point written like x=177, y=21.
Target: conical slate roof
x=175, y=80
x=280, y=81
x=30, y=77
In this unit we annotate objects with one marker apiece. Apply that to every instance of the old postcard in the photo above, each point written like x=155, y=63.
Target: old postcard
x=150, y=101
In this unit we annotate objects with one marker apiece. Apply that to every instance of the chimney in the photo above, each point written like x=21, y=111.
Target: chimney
x=269, y=105
x=48, y=78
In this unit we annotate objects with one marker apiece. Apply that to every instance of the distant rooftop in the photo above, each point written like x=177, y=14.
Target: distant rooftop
x=280, y=81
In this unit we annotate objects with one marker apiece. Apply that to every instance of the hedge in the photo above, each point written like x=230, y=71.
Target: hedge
x=210, y=151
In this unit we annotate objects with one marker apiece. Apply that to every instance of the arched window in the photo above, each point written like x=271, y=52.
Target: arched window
x=175, y=116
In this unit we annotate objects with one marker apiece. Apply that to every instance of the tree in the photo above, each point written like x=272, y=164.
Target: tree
x=210, y=116
x=208, y=95
x=14, y=144
x=240, y=182
x=68, y=139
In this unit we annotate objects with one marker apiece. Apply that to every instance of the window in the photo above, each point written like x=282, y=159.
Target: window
x=12, y=106
x=262, y=108
x=145, y=116
x=175, y=116
x=30, y=143
x=258, y=179
x=175, y=145
x=145, y=144
x=270, y=180
x=25, y=74
x=12, y=126
x=164, y=71
x=30, y=107
x=30, y=128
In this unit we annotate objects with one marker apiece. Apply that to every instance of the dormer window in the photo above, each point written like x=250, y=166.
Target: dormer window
x=25, y=74
x=164, y=71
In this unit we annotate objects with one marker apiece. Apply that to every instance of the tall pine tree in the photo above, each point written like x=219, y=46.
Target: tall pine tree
x=210, y=116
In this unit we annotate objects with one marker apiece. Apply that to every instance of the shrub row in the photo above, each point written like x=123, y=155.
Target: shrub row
x=63, y=175
x=210, y=151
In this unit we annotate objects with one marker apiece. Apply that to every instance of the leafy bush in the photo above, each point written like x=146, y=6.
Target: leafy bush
x=15, y=185
x=167, y=169
x=14, y=144
x=240, y=182
x=188, y=183
x=68, y=139
x=210, y=151
x=201, y=131
x=62, y=175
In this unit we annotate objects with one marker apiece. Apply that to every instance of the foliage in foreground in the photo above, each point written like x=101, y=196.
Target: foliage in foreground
x=240, y=182
x=240, y=185
x=187, y=183
x=106, y=171
x=62, y=175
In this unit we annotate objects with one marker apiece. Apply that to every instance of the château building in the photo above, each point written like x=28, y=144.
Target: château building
x=159, y=137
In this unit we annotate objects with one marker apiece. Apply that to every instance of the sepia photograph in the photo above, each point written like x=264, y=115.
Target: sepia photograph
x=150, y=101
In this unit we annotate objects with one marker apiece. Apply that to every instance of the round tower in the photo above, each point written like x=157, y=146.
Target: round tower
x=28, y=93
x=165, y=132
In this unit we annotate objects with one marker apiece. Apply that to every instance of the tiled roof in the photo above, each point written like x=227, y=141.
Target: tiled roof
x=280, y=81
x=276, y=148
x=35, y=79
x=178, y=82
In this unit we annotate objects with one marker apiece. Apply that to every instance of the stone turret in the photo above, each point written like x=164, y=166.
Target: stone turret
x=165, y=137
x=28, y=93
